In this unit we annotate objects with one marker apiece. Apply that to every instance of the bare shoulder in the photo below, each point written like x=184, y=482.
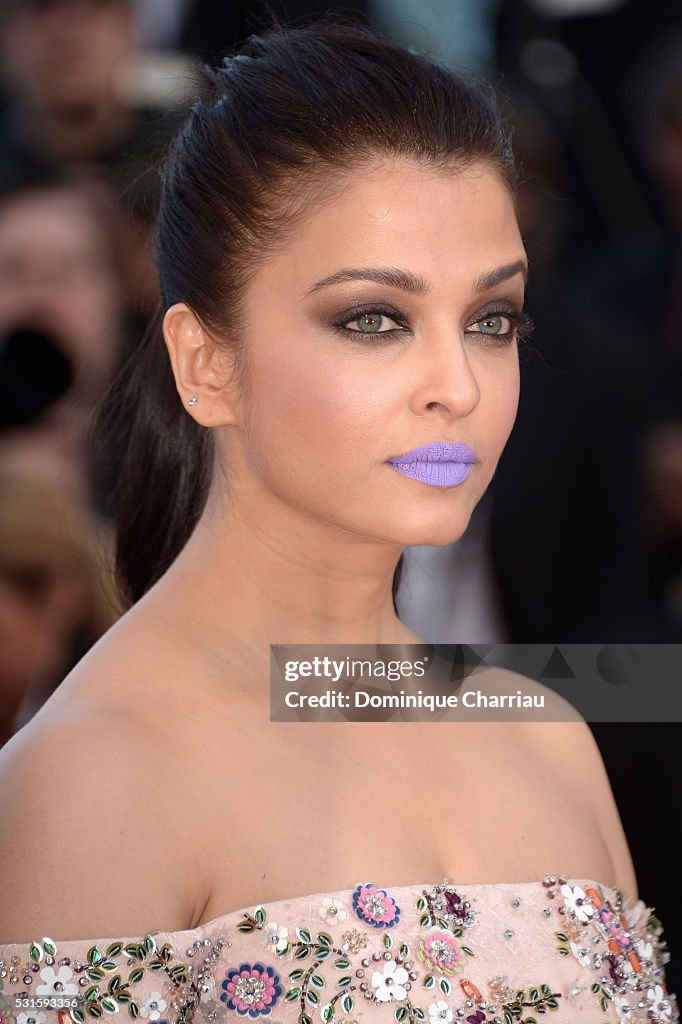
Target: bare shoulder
x=93, y=823
x=568, y=749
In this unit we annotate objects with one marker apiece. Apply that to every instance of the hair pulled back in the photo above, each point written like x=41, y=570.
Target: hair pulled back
x=274, y=128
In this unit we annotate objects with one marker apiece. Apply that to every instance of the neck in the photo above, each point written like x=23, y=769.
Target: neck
x=277, y=577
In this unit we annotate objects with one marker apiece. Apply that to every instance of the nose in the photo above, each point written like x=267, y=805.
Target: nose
x=444, y=379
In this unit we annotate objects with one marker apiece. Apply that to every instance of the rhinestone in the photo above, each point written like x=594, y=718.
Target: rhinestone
x=28, y=980
x=363, y=986
x=365, y=962
x=376, y=956
x=249, y=989
x=551, y=893
x=64, y=961
x=82, y=981
x=3, y=973
x=190, y=951
x=387, y=955
x=375, y=905
x=207, y=942
x=413, y=975
x=13, y=960
x=58, y=986
x=359, y=973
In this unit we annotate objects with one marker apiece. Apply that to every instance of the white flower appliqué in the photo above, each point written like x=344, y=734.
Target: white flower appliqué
x=56, y=983
x=576, y=900
x=153, y=1006
x=390, y=984
x=440, y=1013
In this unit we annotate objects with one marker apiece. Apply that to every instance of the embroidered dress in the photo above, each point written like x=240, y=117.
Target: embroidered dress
x=558, y=949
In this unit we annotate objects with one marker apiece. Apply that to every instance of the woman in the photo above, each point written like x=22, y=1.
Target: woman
x=342, y=278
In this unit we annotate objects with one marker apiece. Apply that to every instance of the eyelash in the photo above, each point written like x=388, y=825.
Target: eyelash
x=522, y=324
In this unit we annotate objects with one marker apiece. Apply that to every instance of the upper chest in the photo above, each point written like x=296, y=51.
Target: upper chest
x=312, y=807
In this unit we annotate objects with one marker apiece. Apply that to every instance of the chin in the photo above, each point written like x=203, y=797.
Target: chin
x=435, y=530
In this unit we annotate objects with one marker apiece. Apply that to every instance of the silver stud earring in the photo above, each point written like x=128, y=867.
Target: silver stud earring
x=192, y=401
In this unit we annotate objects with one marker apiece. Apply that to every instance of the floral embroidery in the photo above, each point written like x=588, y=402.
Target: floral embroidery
x=440, y=1013
x=275, y=938
x=375, y=907
x=332, y=911
x=445, y=906
x=390, y=983
x=442, y=951
x=618, y=953
x=630, y=971
x=153, y=1006
x=56, y=982
x=251, y=991
x=576, y=901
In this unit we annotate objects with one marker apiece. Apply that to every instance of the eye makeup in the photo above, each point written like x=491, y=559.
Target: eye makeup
x=521, y=324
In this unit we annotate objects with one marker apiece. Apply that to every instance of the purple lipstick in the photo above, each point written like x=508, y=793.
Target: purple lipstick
x=439, y=464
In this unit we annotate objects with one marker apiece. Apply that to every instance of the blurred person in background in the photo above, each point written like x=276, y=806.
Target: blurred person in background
x=55, y=601
x=61, y=273
x=67, y=69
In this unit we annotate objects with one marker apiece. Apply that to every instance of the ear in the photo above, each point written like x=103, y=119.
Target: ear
x=201, y=367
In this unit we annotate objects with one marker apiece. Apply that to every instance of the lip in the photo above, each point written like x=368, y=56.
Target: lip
x=439, y=451
x=440, y=464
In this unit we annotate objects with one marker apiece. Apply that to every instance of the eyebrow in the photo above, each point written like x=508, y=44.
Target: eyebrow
x=415, y=284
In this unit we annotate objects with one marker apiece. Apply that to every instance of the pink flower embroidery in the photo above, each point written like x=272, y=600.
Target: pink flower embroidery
x=441, y=951
x=375, y=906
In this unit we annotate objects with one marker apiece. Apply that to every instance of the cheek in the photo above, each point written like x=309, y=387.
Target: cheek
x=311, y=413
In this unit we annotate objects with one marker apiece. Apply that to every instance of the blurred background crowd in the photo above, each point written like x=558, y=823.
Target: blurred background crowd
x=579, y=537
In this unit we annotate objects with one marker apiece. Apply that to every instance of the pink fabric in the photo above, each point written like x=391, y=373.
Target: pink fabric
x=559, y=950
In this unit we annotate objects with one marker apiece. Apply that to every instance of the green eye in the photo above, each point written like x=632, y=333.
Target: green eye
x=492, y=325
x=373, y=324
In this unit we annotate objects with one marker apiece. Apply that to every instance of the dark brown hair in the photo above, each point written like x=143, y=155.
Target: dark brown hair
x=274, y=129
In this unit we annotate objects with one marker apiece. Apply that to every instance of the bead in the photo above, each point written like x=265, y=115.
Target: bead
x=516, y=902
x=508, y=933
x=387, y=955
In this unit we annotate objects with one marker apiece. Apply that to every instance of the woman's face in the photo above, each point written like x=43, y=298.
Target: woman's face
x=323, y=409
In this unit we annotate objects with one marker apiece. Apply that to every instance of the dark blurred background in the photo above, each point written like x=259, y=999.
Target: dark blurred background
x=579, y=537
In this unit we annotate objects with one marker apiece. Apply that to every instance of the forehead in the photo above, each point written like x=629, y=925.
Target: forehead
x=451, y=225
